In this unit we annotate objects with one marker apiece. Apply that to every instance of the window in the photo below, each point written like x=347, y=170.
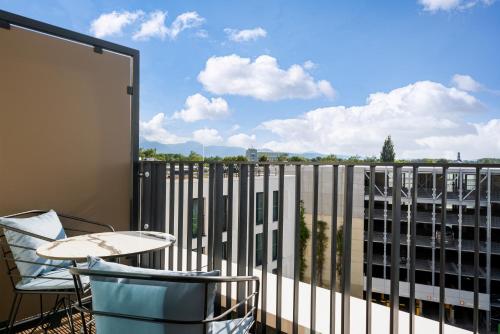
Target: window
x=194, y=233
x=224, y=250
x=470, y=182
x=275, y=205
x=275, y=245
x=259, y=203
x=259, y=238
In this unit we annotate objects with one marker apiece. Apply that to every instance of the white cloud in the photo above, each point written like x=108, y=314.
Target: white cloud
x=309, y=65
x=202, y=33
x=110, y=24
x=418, y=116
x=198, y=107
x=185, y=21
x=155, y=25
x=241, y=140
x=466, y=82
x=245, y=35
x=154, y=131
x=262, y=79
x=207, y=136
x=449, y=5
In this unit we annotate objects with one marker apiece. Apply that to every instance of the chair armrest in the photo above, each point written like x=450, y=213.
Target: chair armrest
x=87, y=221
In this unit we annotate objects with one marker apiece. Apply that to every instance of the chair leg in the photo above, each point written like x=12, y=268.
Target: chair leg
x=13, y=312
x=69, y=313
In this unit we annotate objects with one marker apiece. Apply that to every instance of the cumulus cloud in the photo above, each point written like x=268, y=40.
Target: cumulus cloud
x=111, y=24
x=245, y=35
x=423, y=119
x=449, y=5
x=262, y=79
x=155, y=25
x=154, y=131
x=241, y=140
x=198, y=107
x=207, y=136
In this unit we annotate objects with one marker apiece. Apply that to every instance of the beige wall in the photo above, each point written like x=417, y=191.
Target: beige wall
x=65, y=132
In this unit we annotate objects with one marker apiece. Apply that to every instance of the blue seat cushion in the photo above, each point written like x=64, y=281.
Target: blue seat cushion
x=155, y=299
x=47, y=225
x=59, y=279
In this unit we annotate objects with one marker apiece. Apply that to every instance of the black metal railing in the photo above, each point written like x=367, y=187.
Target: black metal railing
x=163, y=209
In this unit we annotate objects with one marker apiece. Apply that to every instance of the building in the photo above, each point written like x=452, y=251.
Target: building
x=459, y=240
x=254, y=155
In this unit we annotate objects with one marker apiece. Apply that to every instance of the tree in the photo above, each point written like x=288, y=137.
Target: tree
x=304, y=236
x=193, y=156
x=263, y=158
x=388, y=154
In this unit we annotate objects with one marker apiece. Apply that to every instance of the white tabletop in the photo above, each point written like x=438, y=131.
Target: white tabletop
x=107, y=244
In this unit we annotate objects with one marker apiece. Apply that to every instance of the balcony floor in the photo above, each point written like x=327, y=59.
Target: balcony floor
x=64, y=328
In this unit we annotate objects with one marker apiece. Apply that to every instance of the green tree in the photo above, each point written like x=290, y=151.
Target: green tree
x=304, y=236
x=296, y=158
x=193, y=156
x=387, y=154
x=263, y=158
x=320, y=256
x=235, y=158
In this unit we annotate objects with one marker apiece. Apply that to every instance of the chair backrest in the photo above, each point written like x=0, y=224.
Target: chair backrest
x=136, y=300
x=22, y=234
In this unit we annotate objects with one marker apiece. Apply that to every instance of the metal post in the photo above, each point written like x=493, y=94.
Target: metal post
x=369, y=263
x=171, y=209
x=413, y=244
x=346, y=260
x=180, y=217
x=201, y=220
x=442, y=250
x=477, y=216
x=189, y=233
x=242, y=233
x=333, y=248
x=296, y=254
x=265, y=235
x=314, y=248
x=229, y=232
x=281, y=189
x=395, y=251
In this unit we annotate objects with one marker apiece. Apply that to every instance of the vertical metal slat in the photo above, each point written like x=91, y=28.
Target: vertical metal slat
x=279, y=282
x=180, y=216
x=189, y=233
x=171, y=212
x=333, y=248
x=369, y=262
x=413, y=246
x=442, y=250
x=346, y=260
x=314, y=248
x=395, y=251
x=200, y=220
x=242, y=233
x=210, y=232
x=229, y=232
x=265, y=235
x=218, y=226
x=477, y=216
x=296, y=254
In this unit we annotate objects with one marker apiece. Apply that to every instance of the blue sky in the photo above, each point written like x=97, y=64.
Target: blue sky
x=323, y=76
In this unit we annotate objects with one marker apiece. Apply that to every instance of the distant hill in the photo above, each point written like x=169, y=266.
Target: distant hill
x=210, y=151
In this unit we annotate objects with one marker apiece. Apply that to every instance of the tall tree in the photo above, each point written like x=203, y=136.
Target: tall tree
x=388, y=154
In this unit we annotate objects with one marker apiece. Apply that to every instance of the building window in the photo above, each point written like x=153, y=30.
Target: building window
x=194, y=233
x=224, y=250
x=275, y=245
x=259, y=238
x=275, y=205
x=259, y=208
x=470, y=182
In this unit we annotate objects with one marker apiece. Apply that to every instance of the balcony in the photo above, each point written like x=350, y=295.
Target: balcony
x=241, y=218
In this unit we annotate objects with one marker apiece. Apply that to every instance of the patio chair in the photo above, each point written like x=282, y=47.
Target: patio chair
x=130, y=300
x=22, y=233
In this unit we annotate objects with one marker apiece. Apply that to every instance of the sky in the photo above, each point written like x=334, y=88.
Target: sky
x=334, y=77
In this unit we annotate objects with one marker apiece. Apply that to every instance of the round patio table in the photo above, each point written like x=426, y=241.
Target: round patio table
x=105, y=245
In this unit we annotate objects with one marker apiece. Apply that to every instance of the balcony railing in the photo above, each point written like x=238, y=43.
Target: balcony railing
x=224, y=232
